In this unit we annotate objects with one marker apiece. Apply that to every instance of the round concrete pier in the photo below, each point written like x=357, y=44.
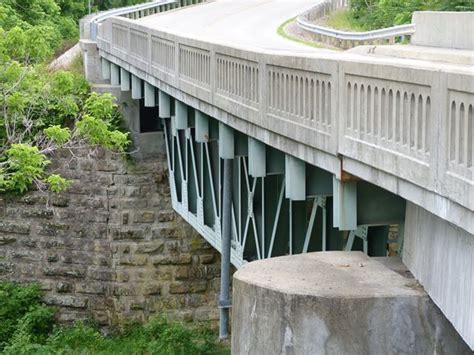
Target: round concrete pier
x=335, y=303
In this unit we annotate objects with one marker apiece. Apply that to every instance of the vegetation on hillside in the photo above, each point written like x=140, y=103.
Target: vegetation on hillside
x=43, y=111
x=28, y=327
x=374, y=14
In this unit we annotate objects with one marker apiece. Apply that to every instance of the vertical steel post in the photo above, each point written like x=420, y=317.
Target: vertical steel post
x=226, y=152
x=224, y=299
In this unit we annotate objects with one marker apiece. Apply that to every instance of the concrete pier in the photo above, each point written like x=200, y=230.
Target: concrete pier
x=335, y=303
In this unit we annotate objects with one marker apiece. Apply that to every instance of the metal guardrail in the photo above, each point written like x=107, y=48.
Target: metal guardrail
x=346, y=39
x=136, y=11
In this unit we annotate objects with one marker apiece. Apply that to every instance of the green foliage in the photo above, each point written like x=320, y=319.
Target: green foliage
x=23, y=165
x=57, y=183
x=57, y=134
x=96, y=132
x=44, y=111
x=28, y=327
x=373, y=14
x=21, y=312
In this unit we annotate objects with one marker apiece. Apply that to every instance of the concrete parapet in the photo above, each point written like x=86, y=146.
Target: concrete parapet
x=91, y=60
x=335, y=303
x=444, y=29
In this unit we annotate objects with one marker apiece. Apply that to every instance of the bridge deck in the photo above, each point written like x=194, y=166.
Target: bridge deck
x=247, y=23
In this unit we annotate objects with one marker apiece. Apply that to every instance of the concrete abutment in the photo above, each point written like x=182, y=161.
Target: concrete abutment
x=335, y=303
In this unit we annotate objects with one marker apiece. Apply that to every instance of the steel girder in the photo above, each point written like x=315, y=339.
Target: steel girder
x=264, y=222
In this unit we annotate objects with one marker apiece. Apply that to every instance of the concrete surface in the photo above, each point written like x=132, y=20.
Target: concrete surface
x=65, y=59
x=444, y=29
x=201, y=58
x=249, y=23
x=335, y=303
x=433, y=54
x=441, y=257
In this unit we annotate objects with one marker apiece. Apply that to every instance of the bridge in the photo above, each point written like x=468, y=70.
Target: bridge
x=275, y=148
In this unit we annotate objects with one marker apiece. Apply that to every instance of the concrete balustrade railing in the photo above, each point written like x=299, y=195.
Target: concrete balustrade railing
x=405, y=125
x=90, y=24
x=344, y=39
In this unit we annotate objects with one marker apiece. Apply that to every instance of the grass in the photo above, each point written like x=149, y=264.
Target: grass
x=281, y=31
x=77, y=65
x=27, y=326
x=342, y=20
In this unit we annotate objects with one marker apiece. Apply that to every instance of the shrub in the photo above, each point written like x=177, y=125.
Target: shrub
x=21, y=314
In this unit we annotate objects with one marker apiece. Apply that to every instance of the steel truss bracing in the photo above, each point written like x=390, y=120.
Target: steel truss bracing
x=280, y=203
x=264, y=222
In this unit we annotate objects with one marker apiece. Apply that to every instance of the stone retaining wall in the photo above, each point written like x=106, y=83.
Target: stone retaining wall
x=110, y=248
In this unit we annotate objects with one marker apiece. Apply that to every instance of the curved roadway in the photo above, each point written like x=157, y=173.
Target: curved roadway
x=240, y=23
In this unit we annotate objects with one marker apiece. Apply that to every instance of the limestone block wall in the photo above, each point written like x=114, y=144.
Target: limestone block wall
x=110, y=248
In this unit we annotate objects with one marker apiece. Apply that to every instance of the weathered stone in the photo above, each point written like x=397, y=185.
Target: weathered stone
x=187, y=287
x=207, y=258
x=64, y=272
x=181, y=273
x=37, y=213
x=29, y=243
x=59, y=200
x=63, y=287
x=52, y=228
x=5, y=267
x=144, y=217
x=65, y=301
x=93, y=288
x=12, y=227
x=101, y=274
x=152, y=289
x=128, y=233
x=165, y=216
x=135, y=260
x=91, y=248
x=172, y=259
x=6, y=239
x=150, y=248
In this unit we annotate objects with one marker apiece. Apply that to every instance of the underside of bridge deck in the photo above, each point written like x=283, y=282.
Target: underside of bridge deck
x=281, y=204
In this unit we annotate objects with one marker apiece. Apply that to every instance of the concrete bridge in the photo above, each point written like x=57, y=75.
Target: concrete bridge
x=289, y=149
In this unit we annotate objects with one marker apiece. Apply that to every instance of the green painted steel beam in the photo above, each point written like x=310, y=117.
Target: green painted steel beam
x=150, y=95
x=257, y=158
x=377, y=206
x=226, y=142
x=164, y=101
x=318, y=181
x=124, y=80
x=295, y=173
x=202, y=127
x=137, y=93
x=241, y=144
x=345, y=204
x=114, y=74
x=275, y=160
x=105, y=69
x=181, y=111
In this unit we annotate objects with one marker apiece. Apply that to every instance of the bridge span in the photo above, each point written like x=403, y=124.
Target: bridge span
x=327, y=150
